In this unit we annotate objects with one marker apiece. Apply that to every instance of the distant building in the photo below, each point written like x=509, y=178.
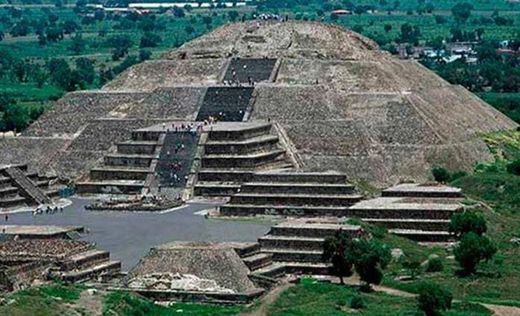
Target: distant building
x=342, y=12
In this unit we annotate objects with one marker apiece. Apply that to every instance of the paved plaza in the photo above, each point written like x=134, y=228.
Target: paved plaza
x=128, y=236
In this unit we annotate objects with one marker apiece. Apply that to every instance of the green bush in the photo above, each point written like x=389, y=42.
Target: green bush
x=441, y=175
x=458, y=175
x=467, y=221
x=514, y=167
x=413, y=265
x=370, y=257
x=357, y=302
x=434, y=265
x=472, y=249
x=433, y=298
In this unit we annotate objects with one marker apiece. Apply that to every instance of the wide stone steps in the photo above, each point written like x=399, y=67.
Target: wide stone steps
x=310, y=230
x=258, y=261
x=5, y=182
x=294, y=200
x=423, y=236
x=110, y=186
x=86, y=259
x=113, y=173
x=297, y=188
x=108, y=267
x=216, y=188
x=240, y=133
x=8, y=191
x=252, y=145
x=137, y=147
x=423, y=192
x=241, y=161
x=291, y=242
x=12, y=201
x=299, y=177
x=436, y=212
x=404, y=223
x=224, y=175
x=128, y=160
x=295, y=255
x=282, y=210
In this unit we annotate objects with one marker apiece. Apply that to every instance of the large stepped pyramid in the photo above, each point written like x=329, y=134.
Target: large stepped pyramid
x=20, y=187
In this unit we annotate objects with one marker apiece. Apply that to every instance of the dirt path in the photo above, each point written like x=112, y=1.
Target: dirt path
x=268, y=300
x=501, y=310
x=89, y=304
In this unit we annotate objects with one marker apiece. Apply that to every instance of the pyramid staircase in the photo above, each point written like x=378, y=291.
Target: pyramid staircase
x=232, y=155
x=20, y=187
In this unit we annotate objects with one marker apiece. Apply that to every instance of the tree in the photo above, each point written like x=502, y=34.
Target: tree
x=461, y=12
x=150, y=40
x=432, y=298
x=189, y=30
x=178, y=12
x=2, y=35
x=409, y=33
x=61, y=74
x=440, y=174
x=413, y=265
x=370, y=258
x=334, y=251
x=70, y=27
x=233, y=15
x=514, y=167
x=78, y=44
x=388, y=27
x=472, y=249
x=467, y=221
x=144, y=55
x=85, y=70
x=121, y=44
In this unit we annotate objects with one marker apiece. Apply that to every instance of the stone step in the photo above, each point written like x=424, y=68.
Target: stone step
x=404, y=223
x=258, y=261
x=242, y=132
x=295, y=200
x=241, y=161
x=299, y=177
x=307, y=268
x=146, y=135
x=137, y=147
x=405, y=210
x=310, y=230
x=294, y=255
x=113, y=173
x=423, y=236
x=128, y=160
x=297, y=188
x=8, y=191
x=109, y=267
x=291, y=242
x=86, y=259
x=52, y=192
x=282, y=210
x=251, y=145
x=13, y=201
x=274, y=270
x=112, y=187
x=5, y=182
x=422, y=191
x=247, y=249
x=224, y=175
x=215, y=189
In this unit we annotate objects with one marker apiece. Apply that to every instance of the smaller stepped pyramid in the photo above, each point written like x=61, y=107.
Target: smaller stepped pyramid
x=20, y=187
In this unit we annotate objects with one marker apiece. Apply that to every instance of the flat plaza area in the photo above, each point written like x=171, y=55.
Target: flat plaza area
x=129, y=235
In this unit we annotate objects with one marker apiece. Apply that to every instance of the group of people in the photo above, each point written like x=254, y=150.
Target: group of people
x=41, y=209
